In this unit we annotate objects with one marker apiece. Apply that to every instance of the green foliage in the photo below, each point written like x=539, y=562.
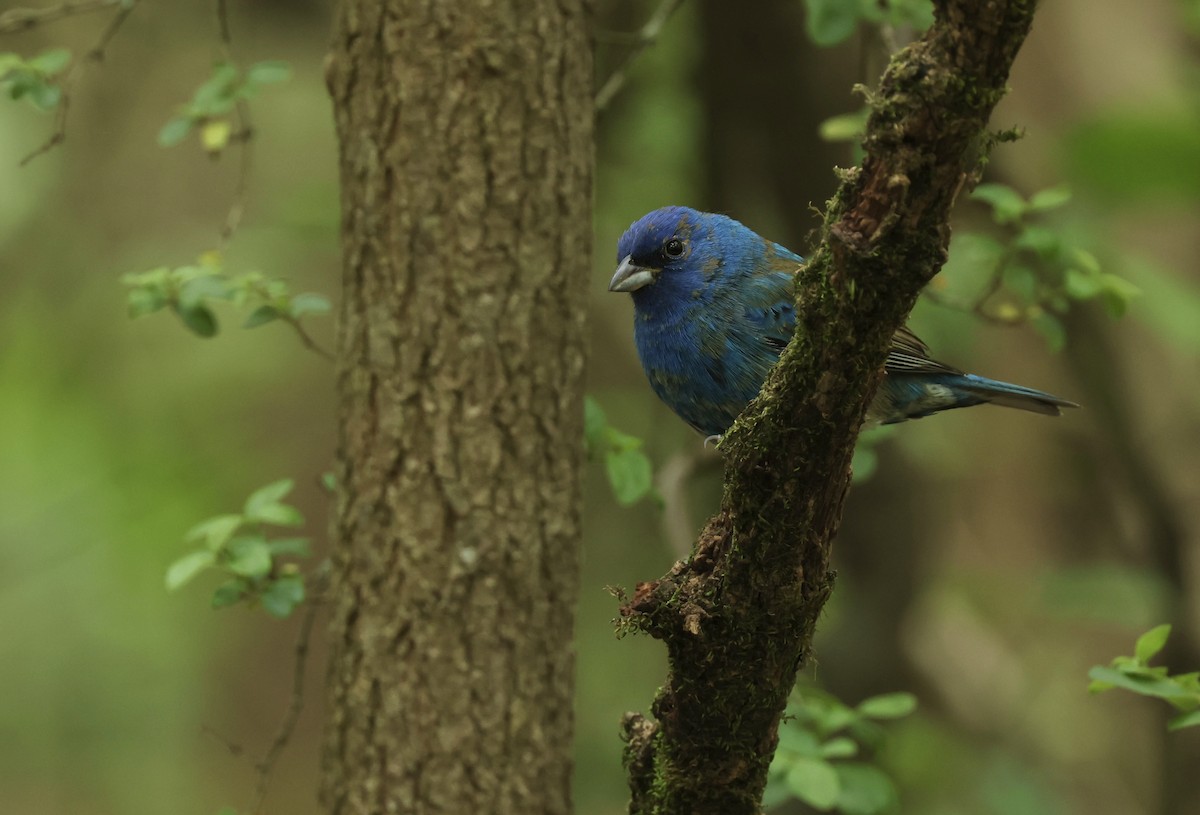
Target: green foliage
x=238, y=546
x=818, y=737
x=866, y=458
x=629, y=471
x=830, y=22
x=1037, y=271
x=1138, y=157
x=209, y=111
x=1181, y=691
x=34, y=79
x=190, y=291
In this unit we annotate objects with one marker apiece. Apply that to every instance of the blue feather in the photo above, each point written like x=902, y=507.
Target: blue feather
x=713, y=309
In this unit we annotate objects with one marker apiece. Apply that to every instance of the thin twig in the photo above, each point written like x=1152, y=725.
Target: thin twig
x=17, y=20
x=309, y=342
x=644, y=39
x=67, y=86
x=245, y=131
x=319, y=583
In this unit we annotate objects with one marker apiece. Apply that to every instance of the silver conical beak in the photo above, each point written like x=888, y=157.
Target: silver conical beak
x=631, y=277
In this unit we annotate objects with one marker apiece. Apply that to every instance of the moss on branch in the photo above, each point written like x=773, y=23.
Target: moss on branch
x=738, y=616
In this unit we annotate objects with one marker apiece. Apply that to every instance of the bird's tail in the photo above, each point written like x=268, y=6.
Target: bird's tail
x=1009, y=395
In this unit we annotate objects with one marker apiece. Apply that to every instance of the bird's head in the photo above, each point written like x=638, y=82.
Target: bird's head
x=673, y=252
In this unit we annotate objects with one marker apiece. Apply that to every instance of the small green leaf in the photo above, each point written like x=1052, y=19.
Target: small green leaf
x=175, y=131
x=1139, y=683
x=629, y=473
x=329, y=481
x=1117, y=293
x=594, y=423
x=888, y=706
x=51, y=62
x=187, y=567
x=1051, y=329
x=296, y=547
x=283, y=595
x=270, y=494
x=263, y=73
x=1081, y=285
x=845, y=127
x=793, y=738
x=199, y=320
x=249, y=557
x=308, y=303
x=840, y=747
x=261, y=316
x=1051, y=198
x=1190, y=719
x=216, y=531
x=1007, y=204
x=229, y=593
x=1149, y=644
x=865, y=789
x=1043, y=240
x=198, y=289
x=815, y=782
x=145, y=301
x=45, y=96
x=1021, y=280
x=830, y=21
x=276, y=515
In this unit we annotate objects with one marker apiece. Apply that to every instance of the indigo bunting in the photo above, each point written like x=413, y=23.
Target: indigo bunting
x=713, y=309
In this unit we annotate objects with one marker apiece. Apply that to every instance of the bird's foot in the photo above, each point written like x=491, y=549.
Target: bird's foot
x=714, y=439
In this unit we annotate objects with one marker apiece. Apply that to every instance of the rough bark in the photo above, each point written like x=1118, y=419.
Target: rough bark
x=465, y=144
x=737, y=617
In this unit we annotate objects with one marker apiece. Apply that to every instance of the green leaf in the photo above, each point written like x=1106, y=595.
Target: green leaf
x=594, y=423
x=1142, y=684
x=1051, y=329
x=229, y=593
x=845, y=127
x=308, y=303
x=1190, y=719
x=1117, y=293
x=1051, y=198
x=276, y=515
x=51, y=62
x=629, y=473
x=263, y=73
x=815, y=782
x=175, y=131
x=270, y=494
x=207, y=287
x=249, y=557
x=45, y=96
x=218, y=93
x=329, y=482
x=795, y=739
x=888, y=706
x=296, y=547
x=1081, y=285
x=214, y=135
x=283, y=595
x=215, y=531
x=199, y=320
x=830, y=21
x=261, y=316
x=1149, y=644
x=145, y=301
x=865, y=789
x=1007, y=204
x=840, y=747
x=1021, y=280
x=187, y=567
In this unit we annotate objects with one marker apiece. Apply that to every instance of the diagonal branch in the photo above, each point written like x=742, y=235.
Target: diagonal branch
x=738, y=616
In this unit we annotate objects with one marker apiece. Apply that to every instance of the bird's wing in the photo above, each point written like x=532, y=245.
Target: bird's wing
x=769, y=309
x=908, y=355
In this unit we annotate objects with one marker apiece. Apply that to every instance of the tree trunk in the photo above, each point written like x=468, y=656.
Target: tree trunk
x=466, y=138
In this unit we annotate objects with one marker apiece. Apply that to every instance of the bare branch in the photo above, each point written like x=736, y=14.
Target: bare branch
x=642, y=40
x=17, y=20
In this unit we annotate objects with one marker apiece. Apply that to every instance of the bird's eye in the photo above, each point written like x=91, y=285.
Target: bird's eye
x=673, y=248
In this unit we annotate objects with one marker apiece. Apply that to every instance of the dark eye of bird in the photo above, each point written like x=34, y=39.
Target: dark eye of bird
x=673, y=248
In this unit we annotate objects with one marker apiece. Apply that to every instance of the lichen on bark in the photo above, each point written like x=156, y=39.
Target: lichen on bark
x=737, y=617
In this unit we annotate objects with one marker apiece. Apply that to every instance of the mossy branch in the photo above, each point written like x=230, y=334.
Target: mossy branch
x=738, y=616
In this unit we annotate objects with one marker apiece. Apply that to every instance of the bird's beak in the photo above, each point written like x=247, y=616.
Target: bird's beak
x=631, y=277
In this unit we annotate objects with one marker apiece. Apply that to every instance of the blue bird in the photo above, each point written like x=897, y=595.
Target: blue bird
x=713, y=309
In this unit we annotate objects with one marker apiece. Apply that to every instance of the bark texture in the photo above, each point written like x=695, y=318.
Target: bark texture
x=465, y=132
x=738, y=616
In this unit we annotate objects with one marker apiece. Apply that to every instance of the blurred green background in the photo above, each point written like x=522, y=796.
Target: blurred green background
x=990, y=560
